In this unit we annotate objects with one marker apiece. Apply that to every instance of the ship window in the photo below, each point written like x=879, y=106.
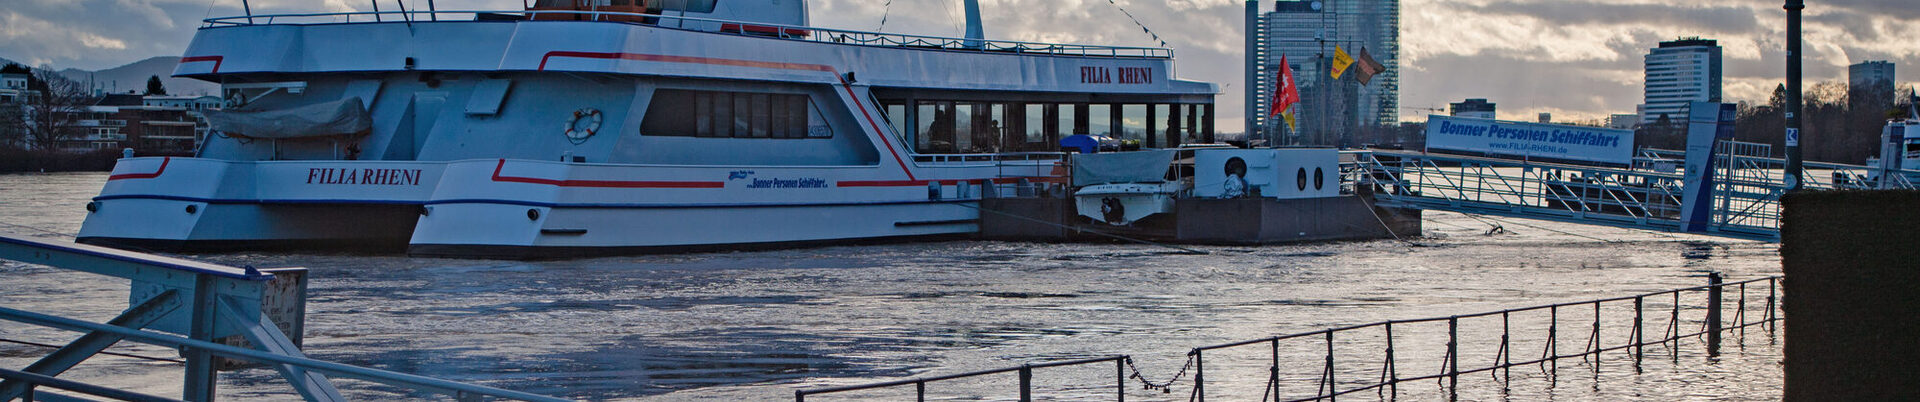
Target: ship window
x=936, y=128
x=1100, y=120
x=691, y=6
x=684, y=113
x=989, y=132
x=743, y=115
x=1037, y=119
x=897, y=117
x=1133, y=123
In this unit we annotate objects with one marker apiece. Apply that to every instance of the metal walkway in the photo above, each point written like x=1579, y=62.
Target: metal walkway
x=203, y=310
x=1738, y=197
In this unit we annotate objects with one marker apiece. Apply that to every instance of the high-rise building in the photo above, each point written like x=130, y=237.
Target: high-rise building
x=1306, y=33
x=1623, y=121
x=1478, y=108
x=1875, y=76
x=1679, y=72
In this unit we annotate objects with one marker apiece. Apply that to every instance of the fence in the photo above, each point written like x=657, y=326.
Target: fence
x=1380, y=339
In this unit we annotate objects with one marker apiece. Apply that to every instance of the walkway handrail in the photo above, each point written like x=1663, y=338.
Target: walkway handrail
x=456, y=389
x=1769, y=279
x=1710, y=327
x=75, y=386
x=148, y=260
x=779, y=30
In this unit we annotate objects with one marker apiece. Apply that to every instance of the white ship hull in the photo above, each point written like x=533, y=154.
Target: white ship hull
x=508, y=208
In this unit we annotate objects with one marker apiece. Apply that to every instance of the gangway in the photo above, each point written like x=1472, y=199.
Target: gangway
x=1743, y=186
x=194, y=307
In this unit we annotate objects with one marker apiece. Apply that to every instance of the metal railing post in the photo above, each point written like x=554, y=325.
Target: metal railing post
x=1506, y=348
x=1273, y=370
x=1769, y=316
x=1453, y=357
x=1740, y=313
x=1713, y=313
x=1120, y=378
x=920, y=391
x=1026, y=383
x=1199, y=377
x=200, y=374
x=1639, y=330
x=1333, y=386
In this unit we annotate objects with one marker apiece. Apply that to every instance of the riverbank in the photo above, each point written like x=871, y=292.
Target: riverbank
x=23, y=160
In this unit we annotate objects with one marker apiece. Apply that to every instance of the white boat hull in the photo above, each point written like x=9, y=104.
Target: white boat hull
x=516, y=209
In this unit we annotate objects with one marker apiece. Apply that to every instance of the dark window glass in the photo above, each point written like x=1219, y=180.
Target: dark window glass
x=798, y=118
x=722, y=114
x=671, y=103
x=743, y=115
x=702, y=113
x=677, y=112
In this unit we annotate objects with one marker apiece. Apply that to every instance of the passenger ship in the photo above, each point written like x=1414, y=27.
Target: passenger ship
x=591, y=127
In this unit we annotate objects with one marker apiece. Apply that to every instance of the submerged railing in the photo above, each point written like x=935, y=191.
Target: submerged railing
x=793, y=32
x=190, y=306
x=1711, y=325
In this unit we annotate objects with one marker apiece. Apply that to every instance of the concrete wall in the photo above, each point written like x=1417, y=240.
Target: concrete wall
x=1852, y=262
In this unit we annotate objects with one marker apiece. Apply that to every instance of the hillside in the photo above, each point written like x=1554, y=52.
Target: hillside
x=133, y=77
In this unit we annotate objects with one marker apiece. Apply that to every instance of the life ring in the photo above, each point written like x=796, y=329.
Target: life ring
x=577, y=131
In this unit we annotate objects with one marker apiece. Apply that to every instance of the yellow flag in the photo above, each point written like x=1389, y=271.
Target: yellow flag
x=1288, y=115
x=1340, y=61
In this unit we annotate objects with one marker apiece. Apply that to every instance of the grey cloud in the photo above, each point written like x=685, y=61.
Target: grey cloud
x=1902, y=9
x=1516, y=83
x=1719, y=19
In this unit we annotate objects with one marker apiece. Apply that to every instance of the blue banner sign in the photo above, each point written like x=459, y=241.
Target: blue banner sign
x=1530, y=140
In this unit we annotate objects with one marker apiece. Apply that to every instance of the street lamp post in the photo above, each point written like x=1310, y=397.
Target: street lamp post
x=1794, y=179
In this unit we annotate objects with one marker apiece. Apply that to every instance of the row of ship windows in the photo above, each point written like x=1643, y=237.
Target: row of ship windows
x=934, y=126
x=686, y=113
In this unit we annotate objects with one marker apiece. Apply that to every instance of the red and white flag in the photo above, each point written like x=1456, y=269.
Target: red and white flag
x=1285, y=93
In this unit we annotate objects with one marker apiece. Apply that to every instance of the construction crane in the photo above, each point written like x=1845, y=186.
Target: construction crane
x=1425, y=109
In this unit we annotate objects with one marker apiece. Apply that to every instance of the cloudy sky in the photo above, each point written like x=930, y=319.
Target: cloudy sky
x=1575, y=58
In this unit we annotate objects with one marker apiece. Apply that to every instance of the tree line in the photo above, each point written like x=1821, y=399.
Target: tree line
x=32, y=127
x=1837, y=124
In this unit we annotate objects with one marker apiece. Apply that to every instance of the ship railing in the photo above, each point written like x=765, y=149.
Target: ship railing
x=197, y=308
x=790, y=32
x=1374, y=357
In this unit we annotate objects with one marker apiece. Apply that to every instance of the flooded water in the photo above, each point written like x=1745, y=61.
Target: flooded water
x=760, y=325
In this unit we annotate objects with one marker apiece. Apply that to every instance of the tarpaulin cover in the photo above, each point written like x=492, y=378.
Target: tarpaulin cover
x=341, y=117
x=1121, y=167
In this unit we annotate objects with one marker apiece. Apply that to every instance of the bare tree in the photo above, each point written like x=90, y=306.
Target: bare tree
x=13, y=126
x=53, y=116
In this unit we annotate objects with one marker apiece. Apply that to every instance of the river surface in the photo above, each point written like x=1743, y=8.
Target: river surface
x=756, y=326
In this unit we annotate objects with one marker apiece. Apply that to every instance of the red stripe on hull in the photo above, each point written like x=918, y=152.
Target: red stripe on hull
x=156, y=173
x=215, y=59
